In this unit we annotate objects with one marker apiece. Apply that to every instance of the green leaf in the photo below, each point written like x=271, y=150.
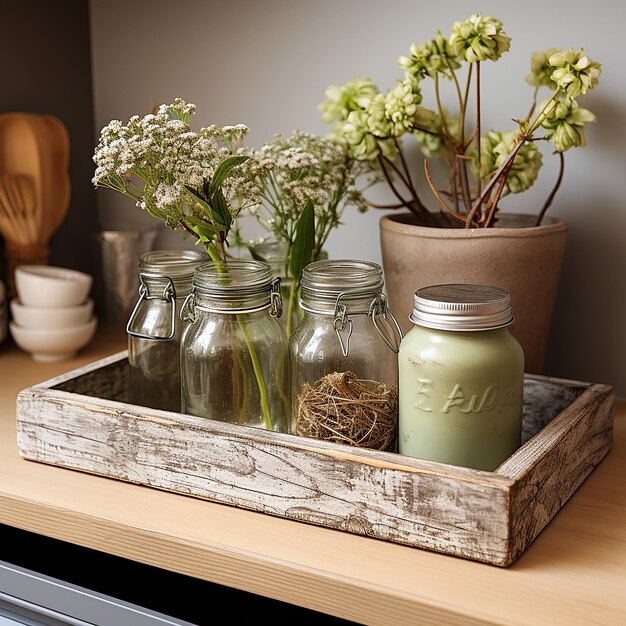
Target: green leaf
x=206, y=207
x=220, y=208
x=255, y=255
x=223, y=171
x=304, y=242
x=206, y=232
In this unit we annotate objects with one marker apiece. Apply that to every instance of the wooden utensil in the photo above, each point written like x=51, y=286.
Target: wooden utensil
x=19, y=220
x=20, y=224
x=37, y=147
x=55, y=191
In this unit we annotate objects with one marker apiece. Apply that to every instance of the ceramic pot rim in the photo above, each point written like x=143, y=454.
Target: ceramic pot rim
x=401, y=224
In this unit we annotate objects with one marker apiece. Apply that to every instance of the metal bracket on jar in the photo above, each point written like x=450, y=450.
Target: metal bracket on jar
x=188, y=310
x=340, y=321
x=169, y=295
x=379, y=306
x=276, y=299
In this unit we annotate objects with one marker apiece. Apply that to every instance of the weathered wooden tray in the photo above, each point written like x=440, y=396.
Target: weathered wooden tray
x=81, y=420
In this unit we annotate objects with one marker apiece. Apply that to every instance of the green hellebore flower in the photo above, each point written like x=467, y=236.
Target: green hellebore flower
x=567, y=135
x=353, y=95
x=575, y=73
x=363, y=144
x=401, y=107
x=496, y=146
x=541, y=70
x=479, y=39
x=565, y=122
x=375, y=119
x=430, y=58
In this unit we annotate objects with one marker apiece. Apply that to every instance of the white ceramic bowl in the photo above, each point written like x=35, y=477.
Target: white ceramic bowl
x=51, y=286
x=53, y=344
x=50, y=317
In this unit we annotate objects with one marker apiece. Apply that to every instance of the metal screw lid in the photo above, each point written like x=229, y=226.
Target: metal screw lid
x=462, y=307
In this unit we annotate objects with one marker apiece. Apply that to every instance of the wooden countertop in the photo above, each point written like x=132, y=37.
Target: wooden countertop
x=574, y=572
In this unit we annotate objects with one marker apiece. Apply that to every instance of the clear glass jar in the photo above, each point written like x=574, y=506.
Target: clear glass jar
x=154, y=328
x=344, y=357
x=276, y=253
x=234, y=364
x=461, y=377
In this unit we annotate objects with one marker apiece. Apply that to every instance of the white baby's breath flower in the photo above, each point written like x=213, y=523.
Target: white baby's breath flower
x=158, y=159
x=289, y=171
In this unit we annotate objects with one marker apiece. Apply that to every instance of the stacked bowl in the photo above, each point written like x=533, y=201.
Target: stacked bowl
x=52, y=316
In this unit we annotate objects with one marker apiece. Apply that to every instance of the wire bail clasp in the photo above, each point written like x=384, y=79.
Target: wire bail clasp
x=276, y=299
x=188, y=310
x=340, y=321
x=168, y=295
x=379, y=306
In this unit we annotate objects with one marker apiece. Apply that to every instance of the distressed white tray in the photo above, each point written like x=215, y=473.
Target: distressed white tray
x=81, y=420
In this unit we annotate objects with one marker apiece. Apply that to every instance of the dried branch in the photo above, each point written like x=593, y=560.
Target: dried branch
x=437, y=195
x=480, y=200
x=550, y=198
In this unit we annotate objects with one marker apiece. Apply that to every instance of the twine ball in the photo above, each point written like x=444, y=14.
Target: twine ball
x=344, y=409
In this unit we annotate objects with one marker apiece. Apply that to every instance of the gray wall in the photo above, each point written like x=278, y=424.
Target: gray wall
x=266, y=63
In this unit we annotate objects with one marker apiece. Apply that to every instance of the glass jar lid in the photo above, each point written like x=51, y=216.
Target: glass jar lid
x=236, y=276
x=462, y=307
x=237, y=285
x=174, y=264
x=324, y=282
x=168, y=272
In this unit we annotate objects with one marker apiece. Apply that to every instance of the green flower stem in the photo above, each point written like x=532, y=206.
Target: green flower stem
x=295, y=285
x=539, y=119
x=256, y=366
x=245, y=400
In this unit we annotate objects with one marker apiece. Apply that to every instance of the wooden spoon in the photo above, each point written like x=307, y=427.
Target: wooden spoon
x=20, y=152
x=55, y=190
x=38, y=145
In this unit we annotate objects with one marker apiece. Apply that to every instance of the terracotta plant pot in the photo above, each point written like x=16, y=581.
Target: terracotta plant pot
x=517, y=256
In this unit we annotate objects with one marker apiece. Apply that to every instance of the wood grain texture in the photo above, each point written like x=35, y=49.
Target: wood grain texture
x=550, y=467
x=574, y=573
x=419, y=503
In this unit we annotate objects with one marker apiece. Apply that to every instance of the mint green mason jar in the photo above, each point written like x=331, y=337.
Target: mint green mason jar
x=461, y=377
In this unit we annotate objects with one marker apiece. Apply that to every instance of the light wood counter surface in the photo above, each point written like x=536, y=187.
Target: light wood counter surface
x=574, y=572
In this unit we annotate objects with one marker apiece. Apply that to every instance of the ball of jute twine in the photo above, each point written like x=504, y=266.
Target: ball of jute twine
x=344, y=409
